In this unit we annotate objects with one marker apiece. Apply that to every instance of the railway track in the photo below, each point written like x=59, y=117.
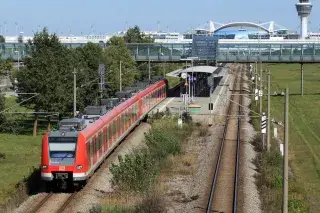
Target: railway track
x=54, y=199
x=224, y=187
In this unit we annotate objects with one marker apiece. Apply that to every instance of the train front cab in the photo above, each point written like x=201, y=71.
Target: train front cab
x=60, y=152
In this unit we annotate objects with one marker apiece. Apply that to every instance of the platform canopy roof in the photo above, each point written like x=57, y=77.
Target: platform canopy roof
x=195, y=69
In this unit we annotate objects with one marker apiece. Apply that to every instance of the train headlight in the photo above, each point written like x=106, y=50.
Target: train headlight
x=44, y=167
x=79, y=167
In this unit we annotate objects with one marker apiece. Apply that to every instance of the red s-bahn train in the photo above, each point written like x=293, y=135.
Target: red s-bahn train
x=75, y=151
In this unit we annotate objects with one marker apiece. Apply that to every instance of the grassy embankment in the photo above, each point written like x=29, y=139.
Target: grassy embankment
x=304, y=141
x=21, y=153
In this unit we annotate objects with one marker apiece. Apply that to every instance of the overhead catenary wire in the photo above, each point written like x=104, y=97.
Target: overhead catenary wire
x=17, y=104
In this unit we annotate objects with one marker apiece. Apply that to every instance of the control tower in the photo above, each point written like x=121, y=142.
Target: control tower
x=304, y=8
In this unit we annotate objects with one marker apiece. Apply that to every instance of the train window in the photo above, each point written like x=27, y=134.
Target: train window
x=121, y=122
x=114, y=129
x=131, y=113
x=88, y=150
x=105, y=135
x=91, y=148
x=110, y=131
x=94, y=145
x=101, y=139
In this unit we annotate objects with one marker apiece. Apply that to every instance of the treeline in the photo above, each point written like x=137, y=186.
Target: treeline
x=48, y=71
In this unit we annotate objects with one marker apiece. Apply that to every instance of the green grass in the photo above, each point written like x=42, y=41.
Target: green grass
x=23, y=122
x=172, y=81
x=304, y=128
x=22, y=153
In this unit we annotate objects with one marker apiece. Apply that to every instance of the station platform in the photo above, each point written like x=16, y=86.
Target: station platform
x=200, y=105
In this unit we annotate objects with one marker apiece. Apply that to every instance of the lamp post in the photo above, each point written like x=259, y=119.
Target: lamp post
x=18, y=52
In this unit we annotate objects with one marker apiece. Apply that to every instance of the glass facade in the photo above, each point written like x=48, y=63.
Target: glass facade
x=207, y=48
x=273, y=52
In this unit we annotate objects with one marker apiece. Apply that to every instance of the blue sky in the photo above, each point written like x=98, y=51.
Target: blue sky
x=102, y=16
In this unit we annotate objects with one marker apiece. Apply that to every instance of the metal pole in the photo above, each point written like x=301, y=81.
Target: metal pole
x=189, y=95
x=74, y=92
x=101, y=84
x=268, y=118
x=192, y=92
x=18, y=61
x=301, y=79
x=261, y=90
x=285, y=159
x=120, y=77
x=149, y=71
x=256, y=81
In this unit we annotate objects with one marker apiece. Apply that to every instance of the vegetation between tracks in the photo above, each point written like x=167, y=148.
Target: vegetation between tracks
x=137, y=171
x=136, y=174
x=304, y=178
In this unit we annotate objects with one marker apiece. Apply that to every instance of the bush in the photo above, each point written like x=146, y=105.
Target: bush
x=257, y=143
x=203, y=131
x=96, y=209
x=11, y=127
x=296, y=205
x=162, y=143
x=135, y=172
x=2, y=106
x=151, y=204
x=2, y=155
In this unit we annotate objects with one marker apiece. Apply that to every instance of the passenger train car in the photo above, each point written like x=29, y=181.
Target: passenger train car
x=75, y=151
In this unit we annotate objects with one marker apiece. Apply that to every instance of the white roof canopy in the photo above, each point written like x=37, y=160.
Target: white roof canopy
x=195, y=69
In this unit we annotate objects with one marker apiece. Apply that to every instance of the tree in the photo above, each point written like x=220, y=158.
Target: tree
x=90, y=57
x=47, y=72
x=134, y=35
x=5, y=65
x=114, y=53
x=2, y=39
x=2, y=106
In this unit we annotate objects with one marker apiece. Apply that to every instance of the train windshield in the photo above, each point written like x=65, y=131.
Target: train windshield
x=62, y=154
x=63, y=148
x=62, y=139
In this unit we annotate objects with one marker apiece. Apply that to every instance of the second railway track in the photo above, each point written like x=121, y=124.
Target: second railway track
x=54, y=202
x=224, y=188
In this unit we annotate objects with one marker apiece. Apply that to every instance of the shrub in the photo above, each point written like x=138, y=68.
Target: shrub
x=96, y=209
x=117, y=209
x=135, y=172
x=11, y=127
x=162, y=143
x=257, y=143
x=296, y=205
x=151, y=204
x=2, y=155
x=203, y=131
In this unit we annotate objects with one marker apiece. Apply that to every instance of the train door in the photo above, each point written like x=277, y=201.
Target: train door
x=88, y=153
x=118, y=131
x=101, y=143
x=105, y=140
x=110, y=134
x=127, y=119
x=94, y=145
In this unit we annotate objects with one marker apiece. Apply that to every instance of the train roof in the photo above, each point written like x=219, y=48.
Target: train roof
x=91, y=130
x=95, y=117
